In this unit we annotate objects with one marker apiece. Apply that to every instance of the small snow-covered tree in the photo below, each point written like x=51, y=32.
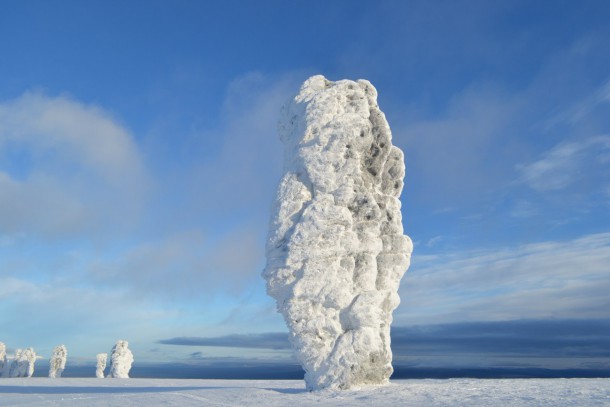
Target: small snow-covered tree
x=121, y=359
x=101, y=365
x=3, y=361
x=57, y=363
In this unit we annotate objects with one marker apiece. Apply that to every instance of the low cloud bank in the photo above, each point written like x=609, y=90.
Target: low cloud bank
x=559, y=338
x=271, y=340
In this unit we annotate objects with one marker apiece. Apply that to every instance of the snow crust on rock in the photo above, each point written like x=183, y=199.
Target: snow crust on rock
x=121, y=359
x=336, y=250
x=57, y=363
x=101, y=365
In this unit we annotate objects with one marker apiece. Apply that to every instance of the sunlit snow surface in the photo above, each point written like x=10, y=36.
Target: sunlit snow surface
x=181, y=392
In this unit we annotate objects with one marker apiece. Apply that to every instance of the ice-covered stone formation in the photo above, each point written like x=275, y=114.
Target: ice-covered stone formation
x=3, y=361
x=101, y=365
x=14, y=368
x=57, y=363
x=29, y=359
x=121, y=359
x=336, y=250
x=22, y=364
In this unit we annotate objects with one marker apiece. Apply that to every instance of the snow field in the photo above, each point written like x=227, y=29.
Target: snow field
x=269, y=393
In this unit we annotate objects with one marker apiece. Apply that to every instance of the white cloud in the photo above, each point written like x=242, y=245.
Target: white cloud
x=434, y=241
x=585, y=107
x=65, y=167
x=60, y=129
x=551, y=279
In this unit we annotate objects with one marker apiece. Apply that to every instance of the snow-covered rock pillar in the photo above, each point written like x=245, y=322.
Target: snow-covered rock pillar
x=29, y=359
x=121, y=359
x=15, y=365
x=336, y=250
x=22, y=364
x=101, y=365
x=57, y=363
x=3, y=361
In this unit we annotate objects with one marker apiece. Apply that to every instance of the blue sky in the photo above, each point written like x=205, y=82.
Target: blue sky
x=139, y=157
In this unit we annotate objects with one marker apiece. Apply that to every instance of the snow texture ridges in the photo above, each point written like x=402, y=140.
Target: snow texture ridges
x=336, y=250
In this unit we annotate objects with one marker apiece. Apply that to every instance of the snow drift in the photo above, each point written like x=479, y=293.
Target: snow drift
x=336, y=250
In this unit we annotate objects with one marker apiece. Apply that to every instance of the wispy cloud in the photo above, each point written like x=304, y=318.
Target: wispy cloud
x=241, y=177
x=457, y=152
x=270, y=340
x=553, y=279
x=183, y=266
x=583, y=108
x=566, y=164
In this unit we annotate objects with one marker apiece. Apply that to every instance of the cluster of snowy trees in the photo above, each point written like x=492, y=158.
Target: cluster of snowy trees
x=21, y=364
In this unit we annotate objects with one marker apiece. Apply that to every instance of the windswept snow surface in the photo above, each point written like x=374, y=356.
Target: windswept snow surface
x=336, y=250
x=243, y=393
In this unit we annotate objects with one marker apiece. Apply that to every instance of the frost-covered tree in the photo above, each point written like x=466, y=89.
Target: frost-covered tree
x=3, y=361
x=57, y=363
x=101, y=365
x=121, y=359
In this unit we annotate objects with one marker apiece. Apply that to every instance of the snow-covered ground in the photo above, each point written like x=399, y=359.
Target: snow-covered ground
x=184, y=392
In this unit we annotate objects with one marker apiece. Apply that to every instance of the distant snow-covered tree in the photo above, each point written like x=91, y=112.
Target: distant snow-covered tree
x=101, y=365
x=121, y=359
x=57, y=363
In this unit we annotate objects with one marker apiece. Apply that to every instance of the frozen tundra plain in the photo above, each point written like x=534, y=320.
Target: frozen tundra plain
x=188, y=392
